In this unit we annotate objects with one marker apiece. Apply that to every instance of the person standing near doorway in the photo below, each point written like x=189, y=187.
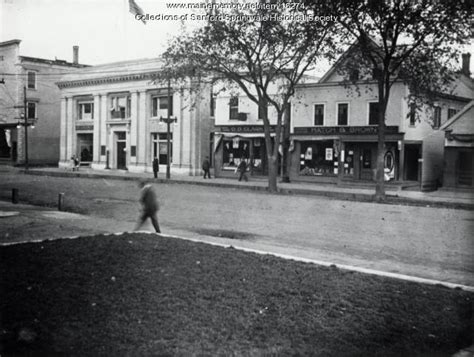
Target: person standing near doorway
x=150, y=206
x=206, y=167
x=156, y=167
x=242, y=169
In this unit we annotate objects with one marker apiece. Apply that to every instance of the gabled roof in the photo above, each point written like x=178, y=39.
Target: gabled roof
x=10, y=42
x=334, y=67
x=342, y=58
x=464, y=111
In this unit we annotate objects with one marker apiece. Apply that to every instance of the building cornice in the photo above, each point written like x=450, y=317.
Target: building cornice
x=106, y=80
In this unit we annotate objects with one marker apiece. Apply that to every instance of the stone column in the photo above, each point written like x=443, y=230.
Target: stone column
x=70, y=129
x=96, y=137
x=63, y=160
x=142, y=133
x=133, y=129
x=103, y=127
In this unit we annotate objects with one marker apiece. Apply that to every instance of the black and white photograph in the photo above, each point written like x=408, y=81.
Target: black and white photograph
x=237, y=178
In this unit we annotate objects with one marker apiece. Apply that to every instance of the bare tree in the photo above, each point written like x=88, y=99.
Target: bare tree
x=256, y=48
x=407, y=40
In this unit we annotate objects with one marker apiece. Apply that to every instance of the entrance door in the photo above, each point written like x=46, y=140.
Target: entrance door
x=348, y=160
x=259, y=157
x=412, y=154
x=465, y=167
x=367, y=161
x=121, y=156
x=85, y=147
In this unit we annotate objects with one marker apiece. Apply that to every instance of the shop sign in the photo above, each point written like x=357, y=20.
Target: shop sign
x=84, y=127
x=242, y=128
x=328, y=154
x=344, y=130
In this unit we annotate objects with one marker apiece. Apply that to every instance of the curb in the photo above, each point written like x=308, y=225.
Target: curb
x=369, y=271
x=347, y=196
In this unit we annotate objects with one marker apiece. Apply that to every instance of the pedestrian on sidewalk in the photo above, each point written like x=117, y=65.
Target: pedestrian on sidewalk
x=156, y=167
x=206, y=166
x=150, y=206
x=75, y=163
x=242, y=169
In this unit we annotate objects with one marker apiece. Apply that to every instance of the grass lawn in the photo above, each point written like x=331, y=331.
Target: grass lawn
x=141, y=295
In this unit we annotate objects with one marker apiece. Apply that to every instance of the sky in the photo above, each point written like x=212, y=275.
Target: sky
x=104, y=30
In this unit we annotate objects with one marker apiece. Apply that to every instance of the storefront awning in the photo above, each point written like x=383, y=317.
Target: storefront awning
x=243, y=135
x=346, y=138
x=218, y=136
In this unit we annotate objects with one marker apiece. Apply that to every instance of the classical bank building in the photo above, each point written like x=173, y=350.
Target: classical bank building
x=115, y=116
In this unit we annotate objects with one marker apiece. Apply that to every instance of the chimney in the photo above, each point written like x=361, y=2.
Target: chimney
x=466, y=62
x=75, y=54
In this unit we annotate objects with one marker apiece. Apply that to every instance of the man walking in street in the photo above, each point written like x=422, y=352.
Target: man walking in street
x=150, y=206
x=206, y=166
x=242, y=169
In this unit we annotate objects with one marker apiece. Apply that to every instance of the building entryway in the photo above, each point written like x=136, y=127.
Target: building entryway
x=121, y=150
x=85, y=147
x=412, y=156
x=465, y=168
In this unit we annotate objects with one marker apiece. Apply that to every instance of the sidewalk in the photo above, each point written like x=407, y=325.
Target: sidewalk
x=440, y=198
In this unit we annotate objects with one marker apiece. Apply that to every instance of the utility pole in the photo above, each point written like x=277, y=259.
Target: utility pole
x=26, y=127
x=168, y=134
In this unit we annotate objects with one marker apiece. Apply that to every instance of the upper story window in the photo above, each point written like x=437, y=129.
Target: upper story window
x=342, y=113
x=31, y=80
x=159, y=106
x=436, y=117
x=319, y=114
x=234, y=108
x=451, y=112
x=31, y=112
x=354, y=75
x=412, y=114
x=85, y=110
x=120, y=106
x=374, y=113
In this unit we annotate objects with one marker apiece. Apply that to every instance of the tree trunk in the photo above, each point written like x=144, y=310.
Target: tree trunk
x=285, y=165
x=272, y=173
x=380, y=168
x=379, y=176
x=272, y=151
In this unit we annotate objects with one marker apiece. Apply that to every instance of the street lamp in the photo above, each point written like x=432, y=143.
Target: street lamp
x=23, y=122
x=168, y=121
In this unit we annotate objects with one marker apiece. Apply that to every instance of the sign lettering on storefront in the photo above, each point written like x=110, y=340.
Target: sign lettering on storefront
x=84, y=127
x=242, y=129
x=344, y=130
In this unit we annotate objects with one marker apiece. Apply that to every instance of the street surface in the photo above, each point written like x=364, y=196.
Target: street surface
x=426, y=242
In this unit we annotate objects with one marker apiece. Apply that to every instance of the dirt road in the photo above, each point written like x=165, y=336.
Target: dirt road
x=422, y=241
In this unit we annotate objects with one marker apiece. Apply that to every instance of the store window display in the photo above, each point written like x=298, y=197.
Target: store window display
x=235, y=151
x=319, y=158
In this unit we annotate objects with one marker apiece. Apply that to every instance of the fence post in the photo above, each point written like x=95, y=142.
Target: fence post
x=14, y=195
x=60, y=201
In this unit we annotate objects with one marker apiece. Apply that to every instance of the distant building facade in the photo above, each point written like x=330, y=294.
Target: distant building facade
x=35, y=78
x=334, y=132
x=239, y=131
x=113, y=116
x=459, y=149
